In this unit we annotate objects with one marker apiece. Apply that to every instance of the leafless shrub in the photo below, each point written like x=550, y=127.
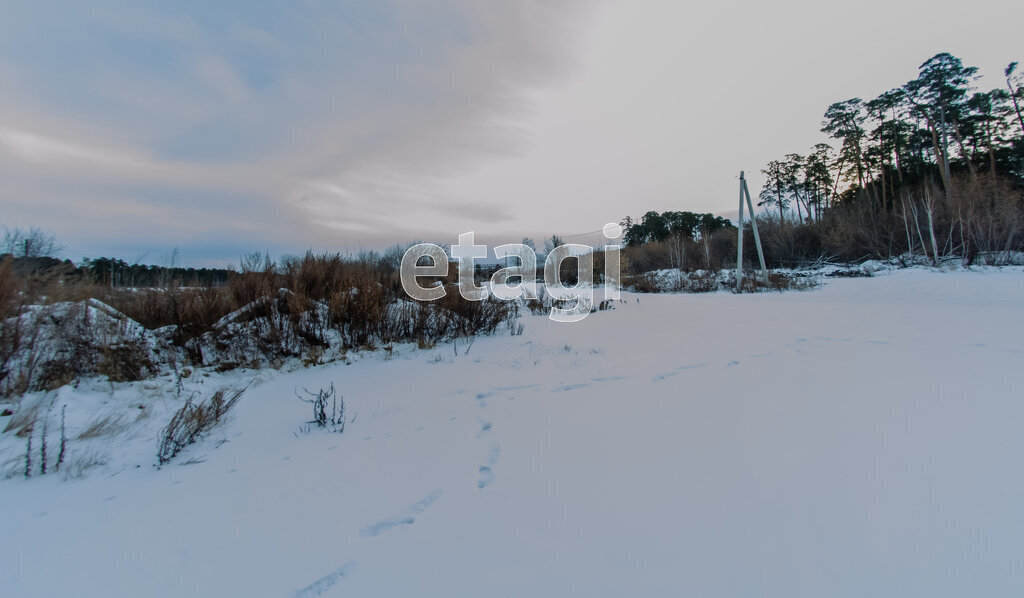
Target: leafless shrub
x=28, y=454
x=12, y=333
x=314, y=356
x=42, y=442
x=651, y=282
x=322, y=400
x=537, y=306
x=647, y=257
x=192, y=420
x=318, y=276
x=125, y=362
x=191, y=311
x=643, y=283
x=34, y=242
x=988, y=211
x=63, y=440
x=28, y=429
x=360, y=312
x=703, y=282
x=777, y=281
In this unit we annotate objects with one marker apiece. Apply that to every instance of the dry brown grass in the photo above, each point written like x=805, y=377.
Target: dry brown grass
x=108, y=425
x=23, y=421
x=8, y=288
x=191, y=311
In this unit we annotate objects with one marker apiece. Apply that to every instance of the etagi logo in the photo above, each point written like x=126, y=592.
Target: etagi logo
x=581, y=294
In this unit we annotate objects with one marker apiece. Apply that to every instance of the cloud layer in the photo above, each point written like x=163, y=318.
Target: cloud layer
x=223, y=127
x=227, y=127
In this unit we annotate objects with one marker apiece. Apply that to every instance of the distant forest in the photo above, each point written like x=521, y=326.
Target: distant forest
x=112, y=272
x=933, y=170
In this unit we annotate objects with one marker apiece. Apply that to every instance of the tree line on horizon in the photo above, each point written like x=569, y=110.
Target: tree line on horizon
x=932, y=169
x=929, y=129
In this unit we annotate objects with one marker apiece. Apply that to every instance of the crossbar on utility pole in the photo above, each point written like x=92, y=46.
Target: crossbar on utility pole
x=745, y=194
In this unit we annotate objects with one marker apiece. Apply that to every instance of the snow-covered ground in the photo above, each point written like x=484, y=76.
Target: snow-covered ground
x=862, y=439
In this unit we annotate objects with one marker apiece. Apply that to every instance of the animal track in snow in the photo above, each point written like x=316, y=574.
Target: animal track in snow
x=523, y=387
x=406, y=517
x=325, y=583
x=569, y=387
x=485, y=475
x=610, y=379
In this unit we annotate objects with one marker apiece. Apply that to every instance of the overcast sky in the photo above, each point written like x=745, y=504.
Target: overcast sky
x=219, y=128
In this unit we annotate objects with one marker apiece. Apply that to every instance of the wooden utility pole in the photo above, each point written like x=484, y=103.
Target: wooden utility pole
x=739, y=241
x=745, y=193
